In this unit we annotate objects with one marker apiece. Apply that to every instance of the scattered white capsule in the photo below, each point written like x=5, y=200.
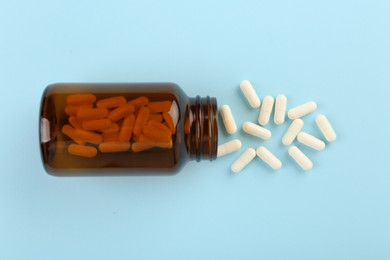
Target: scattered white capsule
x=250, y=93
x=300, y=158
x=302, y=110
x=311, y=141
x=292, y=131
x=326, y=128
x=244, y=159
x=270, y=159
x=256, y=130
x=280, y=109
x=266, y=110
x=228, y=119
x=228, y=147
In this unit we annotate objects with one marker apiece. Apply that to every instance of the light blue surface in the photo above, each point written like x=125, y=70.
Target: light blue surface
x=334, y=52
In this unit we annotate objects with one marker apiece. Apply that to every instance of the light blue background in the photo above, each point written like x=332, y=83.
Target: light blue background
x=334, y=52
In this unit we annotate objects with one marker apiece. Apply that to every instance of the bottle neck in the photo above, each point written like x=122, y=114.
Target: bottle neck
x=202, y=129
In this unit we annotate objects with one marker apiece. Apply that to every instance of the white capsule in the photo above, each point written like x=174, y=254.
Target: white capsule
x=228, y=147
x=266, y=110
x=326, y=128
x=250, y=93
x=244, y=159
x=300, y=158
x=270, y=159
x=228, y=119
x=311, y=141
x=280, y=109
x=302, y=110
x=256, y=130
x=292, y=131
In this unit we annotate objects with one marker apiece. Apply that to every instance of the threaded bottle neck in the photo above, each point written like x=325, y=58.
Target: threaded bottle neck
x=202, y=128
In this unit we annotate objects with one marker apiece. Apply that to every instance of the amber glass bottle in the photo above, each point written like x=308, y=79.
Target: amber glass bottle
x=124, y=129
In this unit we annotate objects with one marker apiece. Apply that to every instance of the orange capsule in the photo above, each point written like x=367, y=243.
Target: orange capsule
x=139, y=102
x=139, y=147
x=111, y=102
x=74, y=122
x=157, y=131
x=91, y=113
x=159, y=106
x=71, y=110
x=142, y=119
x=120, y=112
x=113, y=147
x=82, y=150
x=87, y=136
x=69, y=131
x=96, y=124
x=169, y=121
x=113, y=129
x=155, y=117
x=80, y=99
x=110, y=137
x=127, y=128
x=157, y=143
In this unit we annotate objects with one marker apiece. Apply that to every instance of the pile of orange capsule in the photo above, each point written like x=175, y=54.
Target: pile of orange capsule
x=115, y=124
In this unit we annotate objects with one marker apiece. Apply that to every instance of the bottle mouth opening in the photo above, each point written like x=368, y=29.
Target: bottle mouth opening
x=206, y=128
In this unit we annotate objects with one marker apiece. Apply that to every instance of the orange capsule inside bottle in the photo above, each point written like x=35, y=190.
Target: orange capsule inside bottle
x=139, y=101
x=75, y=122
x=120, y=112
x=91, y=113
x=169, y=122
x=96, y=124
x=155, y=142
x=110, y=137
x=80, y=99
x=127, y=128
x=111, y=102
x=114, y=147
x=155, y=117
x=82, y=150
x=159, y=106
x=139, y=147
x=70, y=132
x=141, y=120
x=71, y=110
x=157, y=131
x=114, y=128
